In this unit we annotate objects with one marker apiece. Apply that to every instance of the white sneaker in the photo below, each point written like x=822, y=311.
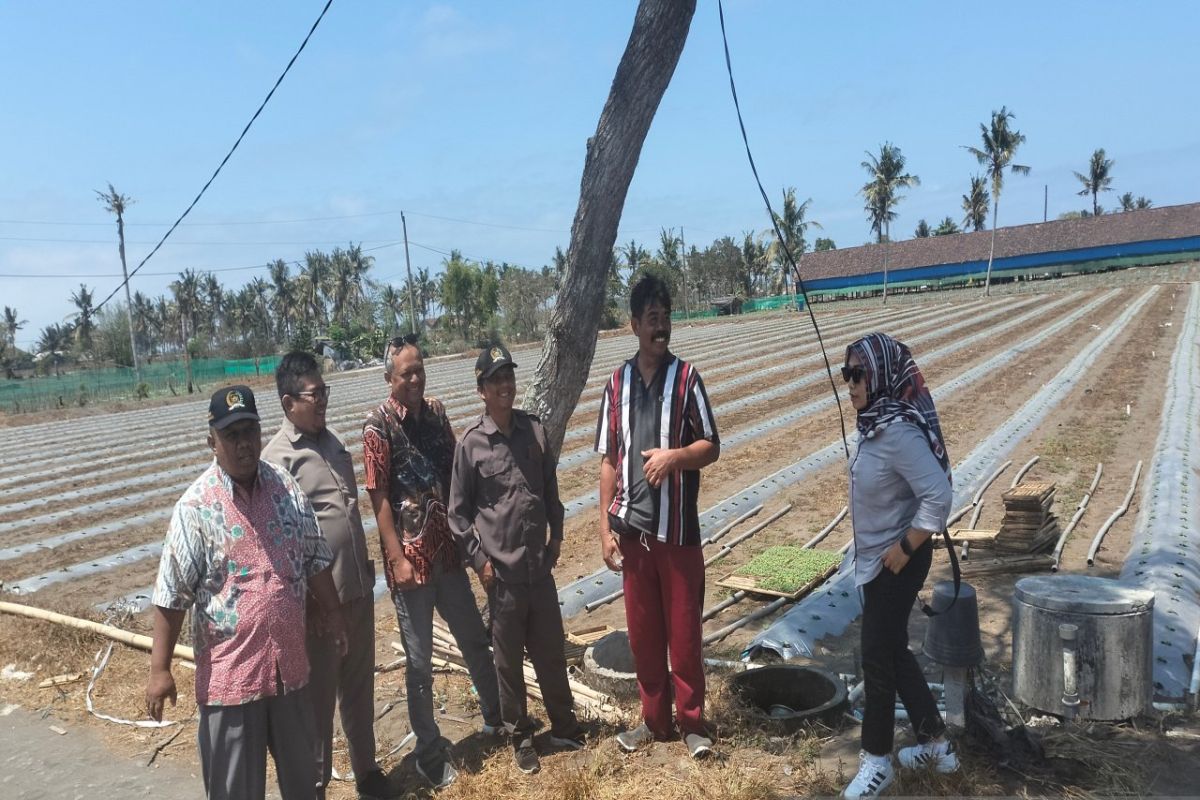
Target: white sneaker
x=875, y=773
x=938, y=756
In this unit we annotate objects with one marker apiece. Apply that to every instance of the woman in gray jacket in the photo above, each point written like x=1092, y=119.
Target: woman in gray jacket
x=899, y=499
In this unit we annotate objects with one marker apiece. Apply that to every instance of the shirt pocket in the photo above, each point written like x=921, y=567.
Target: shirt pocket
x=495, y=480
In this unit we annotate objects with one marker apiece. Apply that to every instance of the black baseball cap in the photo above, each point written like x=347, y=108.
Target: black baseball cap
x=231, y=404
x=492, y=359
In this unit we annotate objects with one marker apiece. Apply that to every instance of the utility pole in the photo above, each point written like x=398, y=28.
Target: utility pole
x=683, y=253
x=412, y=308
x=1045, y=201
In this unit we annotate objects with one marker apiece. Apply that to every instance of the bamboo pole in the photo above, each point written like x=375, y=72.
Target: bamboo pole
x=108, y=631
x=727, y=548
x=1079, y=509
x=731, y=525
x=1137, y=473
x=769, y=608
x=828, y=529
x=1021, y=472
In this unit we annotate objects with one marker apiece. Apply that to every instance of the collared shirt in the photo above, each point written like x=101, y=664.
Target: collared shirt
x=896, y=483
x=410, y=457
x=504, y=497
x=244, y=563
x=323, y=468
x=683, y=416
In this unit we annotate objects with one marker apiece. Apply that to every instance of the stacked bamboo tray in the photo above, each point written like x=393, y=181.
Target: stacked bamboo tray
x=1029, y=524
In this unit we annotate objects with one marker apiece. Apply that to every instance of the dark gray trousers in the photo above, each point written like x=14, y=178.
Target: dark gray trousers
x=234, y=741
x=450, y=593
x=525, y=617
x=350, y=683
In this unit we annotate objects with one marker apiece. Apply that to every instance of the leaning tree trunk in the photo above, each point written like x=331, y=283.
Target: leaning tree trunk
x=660, y=30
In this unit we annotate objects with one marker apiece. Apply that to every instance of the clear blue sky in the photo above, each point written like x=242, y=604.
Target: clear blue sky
x=478, y=111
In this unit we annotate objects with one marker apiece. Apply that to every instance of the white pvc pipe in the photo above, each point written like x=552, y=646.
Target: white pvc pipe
x=1091, y=556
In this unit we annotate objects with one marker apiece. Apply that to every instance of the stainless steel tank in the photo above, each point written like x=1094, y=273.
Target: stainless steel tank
x=1094, y=633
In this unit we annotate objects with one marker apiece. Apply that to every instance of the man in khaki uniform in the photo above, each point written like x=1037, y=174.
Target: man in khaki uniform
x=503, y=502
x=314, y=455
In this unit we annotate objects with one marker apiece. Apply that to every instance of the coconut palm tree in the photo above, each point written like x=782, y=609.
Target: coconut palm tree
x=188, y=305
x=975, y=204
x=116, y=203
x=347, y=272
x=793, y=226
x=1098, y=179
x=53, y=342
x=946, y=227
x=393, y=302
x=922, y=231
x=83, y=323
x=1128, y=203
x=1000, y=144
x=212, y=301
x=283, y=299
x=887, y=178
x=313, y=286
x=754, y=261
x=12, y=324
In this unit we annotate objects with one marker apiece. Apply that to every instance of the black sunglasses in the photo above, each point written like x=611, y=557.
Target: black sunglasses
x=399, y=342
x=854, y=374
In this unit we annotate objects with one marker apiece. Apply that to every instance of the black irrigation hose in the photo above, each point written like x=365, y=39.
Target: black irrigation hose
x=778, y=233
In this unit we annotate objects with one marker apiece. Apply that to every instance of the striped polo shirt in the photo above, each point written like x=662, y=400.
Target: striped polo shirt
x=672, y=412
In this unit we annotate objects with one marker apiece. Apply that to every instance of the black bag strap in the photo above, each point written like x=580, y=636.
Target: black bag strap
x=926, y=609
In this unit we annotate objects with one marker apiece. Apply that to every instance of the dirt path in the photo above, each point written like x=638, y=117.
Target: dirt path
x=40, y=764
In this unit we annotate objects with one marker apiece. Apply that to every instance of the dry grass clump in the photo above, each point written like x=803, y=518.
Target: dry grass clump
x=601, y=772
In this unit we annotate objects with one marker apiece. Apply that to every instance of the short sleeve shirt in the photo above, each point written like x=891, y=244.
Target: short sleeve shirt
x=681, y=414
x=242, y=565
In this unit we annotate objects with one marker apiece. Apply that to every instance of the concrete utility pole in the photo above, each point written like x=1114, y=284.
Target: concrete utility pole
x=412, y=312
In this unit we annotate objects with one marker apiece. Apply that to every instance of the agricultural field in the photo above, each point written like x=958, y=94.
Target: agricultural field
x=1074, y=373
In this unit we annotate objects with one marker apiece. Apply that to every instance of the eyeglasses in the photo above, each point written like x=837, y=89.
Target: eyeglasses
x=854, y=374
x=316, y=394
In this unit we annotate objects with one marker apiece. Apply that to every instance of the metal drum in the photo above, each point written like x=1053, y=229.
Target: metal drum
x=1082, y=646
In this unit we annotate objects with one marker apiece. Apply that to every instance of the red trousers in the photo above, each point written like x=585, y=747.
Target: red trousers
x=664, y=598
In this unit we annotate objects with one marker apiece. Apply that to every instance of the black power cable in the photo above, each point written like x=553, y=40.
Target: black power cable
x=778, y=233
x=217, y=171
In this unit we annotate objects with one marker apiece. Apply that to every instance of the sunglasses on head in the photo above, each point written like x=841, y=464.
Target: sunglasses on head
x=854, y=374
x=399, y=342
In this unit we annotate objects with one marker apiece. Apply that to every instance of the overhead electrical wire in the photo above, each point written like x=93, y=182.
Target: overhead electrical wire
x=217, y=171
x=778, y=233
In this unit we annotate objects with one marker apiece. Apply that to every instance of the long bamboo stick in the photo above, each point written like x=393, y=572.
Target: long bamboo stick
x=727, y=548
x=828, y=529
x=108, y=631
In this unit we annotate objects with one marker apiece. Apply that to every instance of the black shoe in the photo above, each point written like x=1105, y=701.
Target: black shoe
x=375, y=786
x=525, y=757
x=576, y=740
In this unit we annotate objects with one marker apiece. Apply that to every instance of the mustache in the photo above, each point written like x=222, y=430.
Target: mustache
x=661, y=335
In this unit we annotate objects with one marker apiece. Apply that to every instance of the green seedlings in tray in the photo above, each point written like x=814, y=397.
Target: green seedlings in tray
x=787, y=568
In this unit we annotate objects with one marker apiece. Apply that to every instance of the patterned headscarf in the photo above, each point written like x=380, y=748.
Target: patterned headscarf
x=896, y=390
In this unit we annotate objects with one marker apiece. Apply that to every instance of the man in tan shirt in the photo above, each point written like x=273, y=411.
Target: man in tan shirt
x=314, y=455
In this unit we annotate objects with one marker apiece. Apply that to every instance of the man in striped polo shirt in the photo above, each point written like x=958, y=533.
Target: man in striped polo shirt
x=655, y=433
